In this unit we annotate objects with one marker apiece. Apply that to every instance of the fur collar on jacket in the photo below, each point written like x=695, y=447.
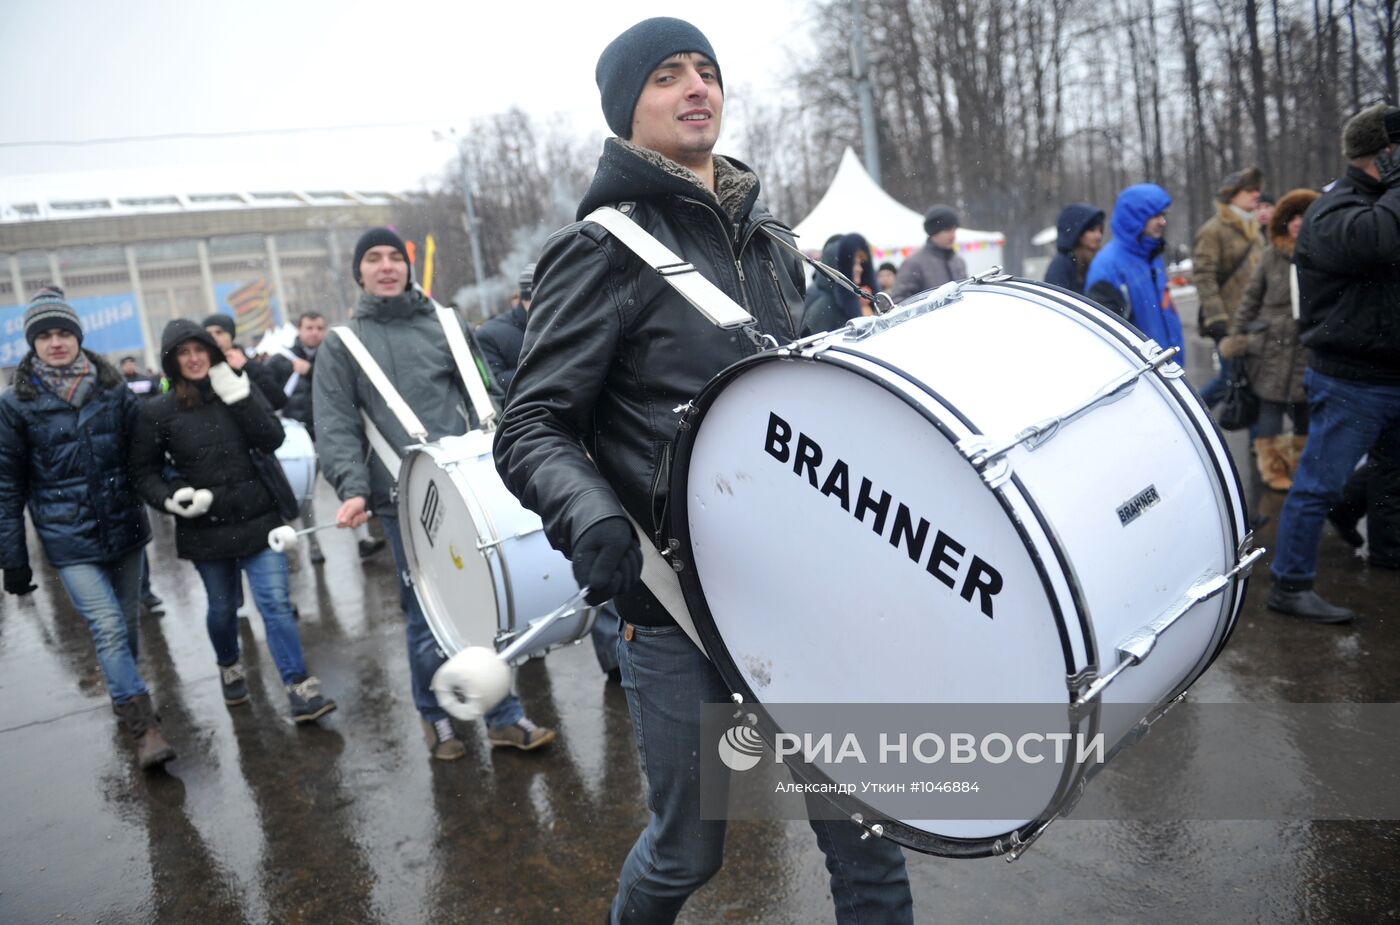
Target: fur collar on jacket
x=627, y=172
x=23, y=379
x=1249, y=228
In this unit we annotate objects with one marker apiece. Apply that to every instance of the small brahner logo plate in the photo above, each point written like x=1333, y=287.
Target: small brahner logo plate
x=1132, y=509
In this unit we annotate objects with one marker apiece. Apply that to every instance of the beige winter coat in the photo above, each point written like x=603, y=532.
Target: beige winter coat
x=1227, y=250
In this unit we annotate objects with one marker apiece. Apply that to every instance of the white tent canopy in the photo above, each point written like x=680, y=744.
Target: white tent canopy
x=855, y=203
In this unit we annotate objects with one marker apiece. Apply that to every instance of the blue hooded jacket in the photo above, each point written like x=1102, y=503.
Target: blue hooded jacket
x=1133, y=264
x=1074, y=220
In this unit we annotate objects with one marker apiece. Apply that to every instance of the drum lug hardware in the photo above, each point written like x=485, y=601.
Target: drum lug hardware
x=1081, y=679
x=983, y=453
x=685, y=411
x=995, y=469
x=1016, y=846
x=990, y=275
x=1139, y=644
x=1167, y=370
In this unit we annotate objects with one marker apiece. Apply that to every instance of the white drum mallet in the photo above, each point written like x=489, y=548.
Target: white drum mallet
x=477, y=678
x=280, y=539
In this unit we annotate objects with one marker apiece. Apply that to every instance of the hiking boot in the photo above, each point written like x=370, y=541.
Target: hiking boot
x=523, y=735
x=317, y=557
x=1307, y=605
x=235, y=686
x=370, y=546
x=308, y=704
x=141, y=723
x=443, y=743
x=153, y=605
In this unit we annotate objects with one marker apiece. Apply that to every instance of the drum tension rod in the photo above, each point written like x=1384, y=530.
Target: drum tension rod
x=983, y=453
x=1140, y=643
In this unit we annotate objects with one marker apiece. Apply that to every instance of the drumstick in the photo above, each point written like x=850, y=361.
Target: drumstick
x=279, y=538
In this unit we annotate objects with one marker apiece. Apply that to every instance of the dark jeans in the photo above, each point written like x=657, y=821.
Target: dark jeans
x=667, y=678
x=424, y=656
x=1270, y=423
x=267, y=576
x=1348, y=419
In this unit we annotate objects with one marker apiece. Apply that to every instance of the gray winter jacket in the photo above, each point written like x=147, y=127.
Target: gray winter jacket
x=404, y=336
x=927, y=268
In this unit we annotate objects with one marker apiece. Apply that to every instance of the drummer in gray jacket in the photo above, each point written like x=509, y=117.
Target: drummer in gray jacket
x=400, y=329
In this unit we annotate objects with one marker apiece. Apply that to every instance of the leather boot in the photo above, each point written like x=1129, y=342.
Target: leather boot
x=1273, y=467
x=139, y=717
x=1307, y=605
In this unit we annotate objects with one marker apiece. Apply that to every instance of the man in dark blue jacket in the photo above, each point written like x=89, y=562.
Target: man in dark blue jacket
x=65, y=423
x=1079, y=235
x=1348, y=259
x=501, y=337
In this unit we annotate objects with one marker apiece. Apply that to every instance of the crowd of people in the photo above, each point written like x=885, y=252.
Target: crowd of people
x=1303, y=294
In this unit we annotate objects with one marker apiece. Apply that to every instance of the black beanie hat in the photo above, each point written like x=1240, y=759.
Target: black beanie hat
x=629, y=59
x=940, y=218
x=223, y=321
x=376, y=237
x=48, y=310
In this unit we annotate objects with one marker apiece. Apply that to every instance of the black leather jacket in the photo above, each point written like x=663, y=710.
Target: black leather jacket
x=611, y=350
x=1348, y=257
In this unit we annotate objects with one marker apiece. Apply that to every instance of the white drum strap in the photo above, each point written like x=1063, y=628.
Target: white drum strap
x=662, y=582
x=466, y=366
x=703, y=295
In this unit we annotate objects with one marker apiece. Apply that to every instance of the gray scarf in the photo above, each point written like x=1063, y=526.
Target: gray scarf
x=72, y=383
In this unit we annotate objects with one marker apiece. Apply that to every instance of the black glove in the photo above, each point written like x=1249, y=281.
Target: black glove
x=607, y=559
x=1388, y=166
x=1216, y=330
x=21, y=580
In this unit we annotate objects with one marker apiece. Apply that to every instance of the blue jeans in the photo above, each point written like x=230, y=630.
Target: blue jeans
x=108, y=595
x=424, y=656
x=667, y=679
x=267, y=576
x=1347, y=418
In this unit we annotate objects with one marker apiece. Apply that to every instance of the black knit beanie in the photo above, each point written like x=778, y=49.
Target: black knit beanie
x=940, y=218
x=376, y=237
x=629, y=59
x=223, y=321
x=48, y=310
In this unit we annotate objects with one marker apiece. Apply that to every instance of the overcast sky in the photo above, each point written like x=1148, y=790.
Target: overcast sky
x=79, y=70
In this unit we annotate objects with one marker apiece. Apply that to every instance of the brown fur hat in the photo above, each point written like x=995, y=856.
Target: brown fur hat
x=1248, y=178
x=1294, y=202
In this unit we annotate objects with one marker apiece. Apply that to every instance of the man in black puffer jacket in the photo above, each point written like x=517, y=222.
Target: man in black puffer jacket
x=611, y=352
x=65, y=424
x=502, y=337
x=1348, y=260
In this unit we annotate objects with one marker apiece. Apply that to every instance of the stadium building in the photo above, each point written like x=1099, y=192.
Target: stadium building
x=131, y=264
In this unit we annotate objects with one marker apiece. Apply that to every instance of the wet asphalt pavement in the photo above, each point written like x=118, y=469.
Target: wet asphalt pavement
x=348, y=821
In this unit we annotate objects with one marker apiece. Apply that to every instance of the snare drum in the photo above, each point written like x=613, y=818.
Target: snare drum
x=481, y=566
x=297, y=454
x=998, y=493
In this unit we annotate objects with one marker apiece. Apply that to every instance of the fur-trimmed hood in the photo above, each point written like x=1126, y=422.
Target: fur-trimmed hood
x=627, y=172
x=26, y=390
x=1294, y=203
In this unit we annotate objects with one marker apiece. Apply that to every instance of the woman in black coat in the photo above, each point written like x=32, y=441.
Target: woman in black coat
x=65, y=423
x=191, y=456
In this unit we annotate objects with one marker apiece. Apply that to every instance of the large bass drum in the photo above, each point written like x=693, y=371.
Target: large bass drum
x=481, y=566
x=996, y=494
x=297, y=454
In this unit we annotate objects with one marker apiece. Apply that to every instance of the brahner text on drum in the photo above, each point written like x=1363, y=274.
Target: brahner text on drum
x=946, y=555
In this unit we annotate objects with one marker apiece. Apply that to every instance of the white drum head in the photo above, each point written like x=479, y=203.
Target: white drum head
x=452, y=579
